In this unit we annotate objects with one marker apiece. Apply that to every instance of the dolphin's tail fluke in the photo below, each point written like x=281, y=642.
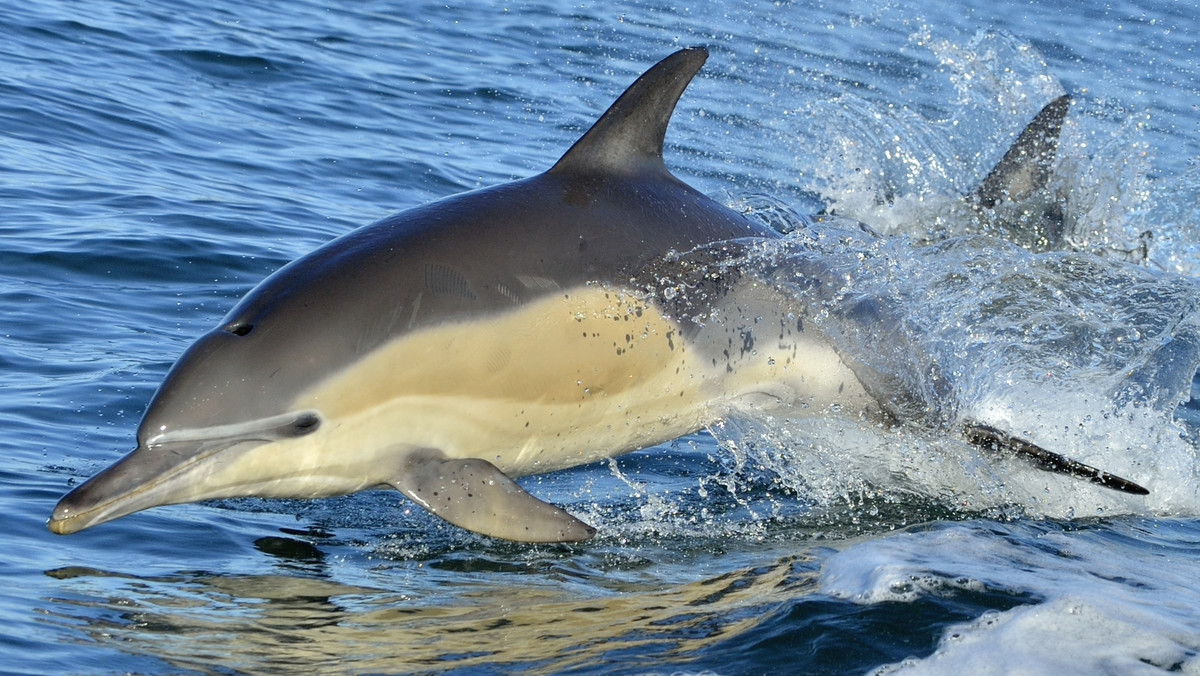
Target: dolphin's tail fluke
x=991, y=438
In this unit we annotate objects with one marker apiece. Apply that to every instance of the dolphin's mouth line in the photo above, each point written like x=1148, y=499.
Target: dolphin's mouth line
x=294, y=424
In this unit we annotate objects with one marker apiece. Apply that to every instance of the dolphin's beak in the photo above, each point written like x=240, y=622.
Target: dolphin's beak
x=172, y=469
x=144, y=478
x=161, y=474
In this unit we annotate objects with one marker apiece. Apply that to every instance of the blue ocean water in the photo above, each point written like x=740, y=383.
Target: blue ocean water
x=157, y=162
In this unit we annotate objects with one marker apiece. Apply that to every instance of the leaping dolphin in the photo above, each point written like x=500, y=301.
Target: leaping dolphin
x=513, y=330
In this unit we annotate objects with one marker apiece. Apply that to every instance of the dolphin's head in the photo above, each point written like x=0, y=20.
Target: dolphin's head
x=247, y=370
x=232, y=391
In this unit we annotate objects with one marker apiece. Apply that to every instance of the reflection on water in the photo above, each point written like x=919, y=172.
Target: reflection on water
x=197, y=621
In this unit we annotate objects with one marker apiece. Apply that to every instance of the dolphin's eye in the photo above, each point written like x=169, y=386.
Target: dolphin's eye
x=240, y=329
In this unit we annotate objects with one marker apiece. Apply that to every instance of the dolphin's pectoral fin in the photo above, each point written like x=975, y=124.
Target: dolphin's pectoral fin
x=473, y=494
x=991, y=438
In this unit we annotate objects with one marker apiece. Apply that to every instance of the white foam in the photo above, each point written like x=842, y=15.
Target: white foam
x=1116, y=601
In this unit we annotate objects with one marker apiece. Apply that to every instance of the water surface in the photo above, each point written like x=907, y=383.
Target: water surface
x=155, y=163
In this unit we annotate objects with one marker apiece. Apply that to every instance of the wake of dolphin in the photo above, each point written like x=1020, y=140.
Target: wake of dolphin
x=1092, y=358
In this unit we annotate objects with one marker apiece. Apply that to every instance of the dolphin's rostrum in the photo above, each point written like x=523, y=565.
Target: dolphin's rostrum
x=513, y=330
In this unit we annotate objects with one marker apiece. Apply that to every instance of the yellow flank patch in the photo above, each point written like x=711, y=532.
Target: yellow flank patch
x=578, y=376
x=563, y=349
x=581, y=375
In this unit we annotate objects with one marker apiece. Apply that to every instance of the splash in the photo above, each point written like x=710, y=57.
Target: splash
x=906, y=170
x=1085, y=343
x=1090, y=357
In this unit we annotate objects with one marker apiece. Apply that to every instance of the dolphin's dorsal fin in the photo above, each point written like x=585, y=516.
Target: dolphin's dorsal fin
x=628, y=137
x=1026, y=166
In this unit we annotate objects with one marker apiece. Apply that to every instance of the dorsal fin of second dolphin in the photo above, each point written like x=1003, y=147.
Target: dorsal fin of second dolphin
x=628, y=138
x=1025, y=168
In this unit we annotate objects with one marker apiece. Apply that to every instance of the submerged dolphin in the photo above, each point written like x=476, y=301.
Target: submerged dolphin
x=518, y=329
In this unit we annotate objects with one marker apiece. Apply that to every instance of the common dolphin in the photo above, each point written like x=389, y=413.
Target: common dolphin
x=519, y=329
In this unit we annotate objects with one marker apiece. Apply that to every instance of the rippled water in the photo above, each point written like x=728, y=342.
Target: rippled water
x=157, y=162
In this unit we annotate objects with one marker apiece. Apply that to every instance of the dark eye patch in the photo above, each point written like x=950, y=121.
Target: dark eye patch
x=240, y=329
x=305, y=424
